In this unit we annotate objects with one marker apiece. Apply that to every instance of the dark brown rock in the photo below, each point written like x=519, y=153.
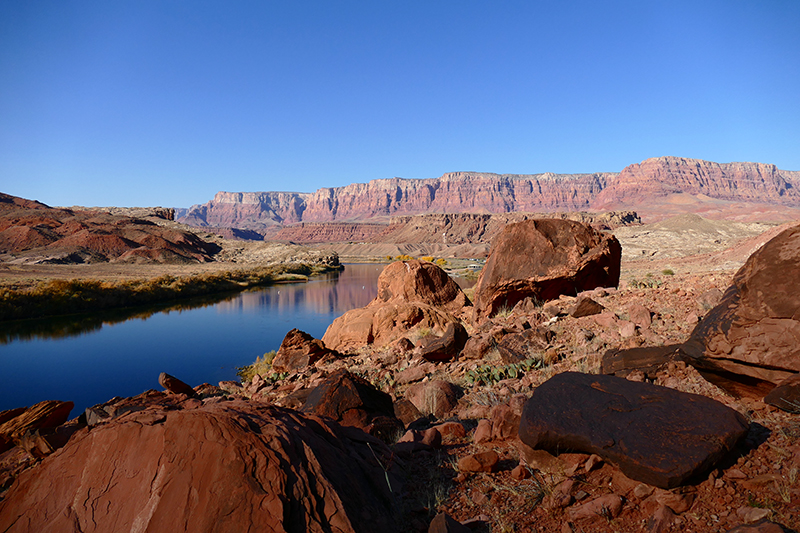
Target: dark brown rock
x=406, y=411
x=648, y=359
x=654, y=434
x=353, y=401
x=763, y=526
x=786, y=395
x=174, y=385
x=585, y=306
x=298, y=350
x=751, y=340
x=544, y=259
x=221, y=467
x=446, y=347
x=516, y=347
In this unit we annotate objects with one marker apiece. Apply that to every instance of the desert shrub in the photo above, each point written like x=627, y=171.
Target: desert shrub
x=668, y=272
x=261, y=366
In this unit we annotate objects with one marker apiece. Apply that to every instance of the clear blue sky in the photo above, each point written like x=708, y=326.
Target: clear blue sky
x=147, y=102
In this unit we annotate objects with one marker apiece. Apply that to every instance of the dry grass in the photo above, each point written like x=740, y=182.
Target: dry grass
x=62, y=297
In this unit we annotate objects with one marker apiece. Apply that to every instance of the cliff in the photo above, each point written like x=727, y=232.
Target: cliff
x=664, y=176
x=644, y=187
x=437, y=228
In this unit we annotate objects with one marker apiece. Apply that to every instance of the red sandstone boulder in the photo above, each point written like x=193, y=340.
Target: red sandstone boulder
x=786, y=395
x=657, y=435
x=223, y=467
x=298, y=350
x=174, y=385
x=751, y=340
x=544, y=259
x=15, y=423
x=435, y=398
x=412, y=295
x=445, y=347
x=353, y=401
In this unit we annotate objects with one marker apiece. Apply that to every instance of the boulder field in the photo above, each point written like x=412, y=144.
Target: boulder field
x=483, y=422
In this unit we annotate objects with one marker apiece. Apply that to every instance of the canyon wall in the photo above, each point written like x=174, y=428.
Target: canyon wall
x=640, y=186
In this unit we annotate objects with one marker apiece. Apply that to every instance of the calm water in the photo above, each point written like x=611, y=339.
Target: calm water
x=89, y=359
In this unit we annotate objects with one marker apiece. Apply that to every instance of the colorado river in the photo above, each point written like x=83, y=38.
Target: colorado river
x=89, y=359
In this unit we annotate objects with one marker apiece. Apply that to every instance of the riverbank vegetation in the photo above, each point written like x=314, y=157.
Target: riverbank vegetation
x=62, y=297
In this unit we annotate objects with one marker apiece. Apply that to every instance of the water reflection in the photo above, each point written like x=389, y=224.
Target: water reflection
x=331, y=293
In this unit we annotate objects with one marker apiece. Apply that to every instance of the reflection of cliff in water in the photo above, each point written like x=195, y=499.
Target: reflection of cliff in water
x=336, y=292
x=73, y=325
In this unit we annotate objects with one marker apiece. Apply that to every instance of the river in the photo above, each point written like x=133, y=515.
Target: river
x=91, y=358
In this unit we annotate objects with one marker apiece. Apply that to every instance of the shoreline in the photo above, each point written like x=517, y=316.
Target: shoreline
x=54, y=293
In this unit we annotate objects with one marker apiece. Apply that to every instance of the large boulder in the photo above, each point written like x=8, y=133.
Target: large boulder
x=657, y=435
x=751, y=340
x=353, y=401
x=543, y=259
x=219, y=467
x=412, y=295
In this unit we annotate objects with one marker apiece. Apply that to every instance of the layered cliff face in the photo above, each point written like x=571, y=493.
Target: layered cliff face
x=640, y=186
x=380, y=199
x=664, y=176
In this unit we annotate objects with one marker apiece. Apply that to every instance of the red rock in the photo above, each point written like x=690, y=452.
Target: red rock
x=43, y=415
x=764, y=526
x=519, y=473
x=299, y=350
x=585, y=306
x=657, y=178
x=446, y=347
x=640, y=315
x=545, y=259
x=435, y=398
x=657, y=435
x=174, y=385
x=412, y=295
x=353, y=401
x=505, y=422
x=451, y=429
x=34, y=232
x=661, y=520
x=786, y=395
x=754, y=332
x=483, y=433
x=647, y=359
x=606, y=507
x=680, y=503
x=647, y=185
x=443, y=523
x=479, y=462
x=517, y=347
x=751, y=515
x=406, y=411
x=222, y=468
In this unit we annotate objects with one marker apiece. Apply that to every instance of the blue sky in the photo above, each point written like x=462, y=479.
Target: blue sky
x=167, y=102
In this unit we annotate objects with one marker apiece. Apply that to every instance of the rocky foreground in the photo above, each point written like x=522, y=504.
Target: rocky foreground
x=555, y=402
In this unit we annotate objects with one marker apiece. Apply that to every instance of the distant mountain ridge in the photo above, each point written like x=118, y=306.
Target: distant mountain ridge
x=650, y=184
